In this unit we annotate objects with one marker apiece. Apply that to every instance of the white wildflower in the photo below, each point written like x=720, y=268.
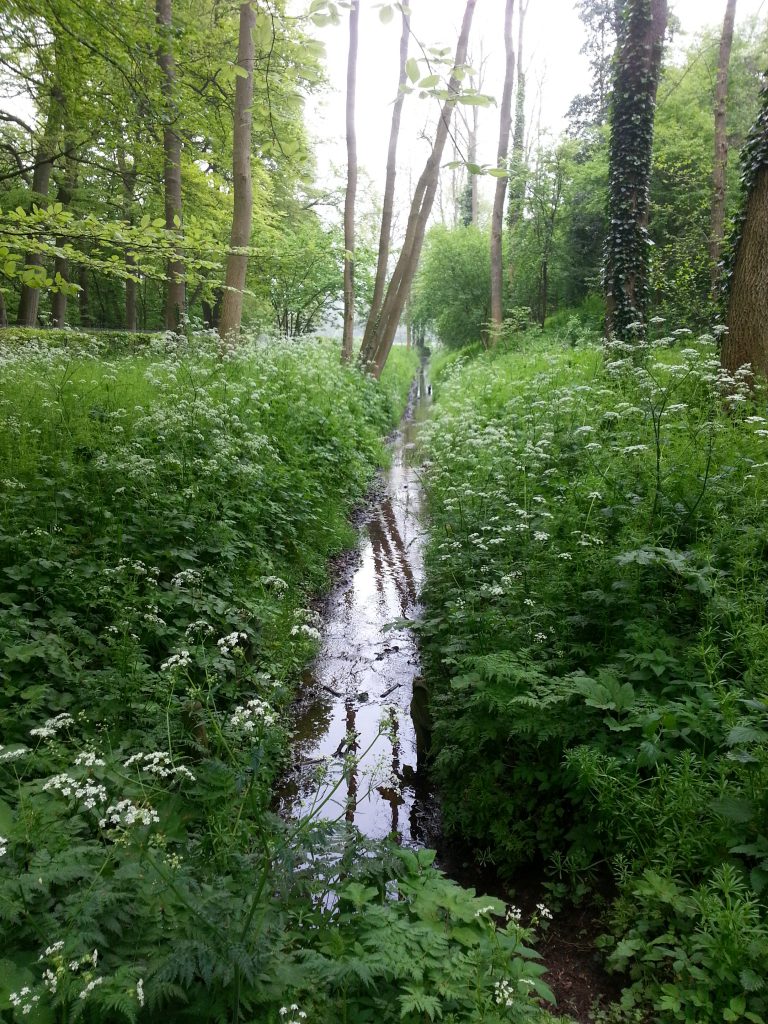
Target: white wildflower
x=230, y=642
x=126, y=813
x=89, y=760
x=180, y=660
x=52, y=726
x=90, y=987
x=140, y=991
x=544, y=911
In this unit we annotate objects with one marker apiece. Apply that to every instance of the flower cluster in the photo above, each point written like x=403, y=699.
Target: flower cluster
x=228, y=643
x=159, y=763
x=248, y=717
x=176, y=661
x=24, y=1000
x=126, y=813
x=52, y=726
x=90, y=793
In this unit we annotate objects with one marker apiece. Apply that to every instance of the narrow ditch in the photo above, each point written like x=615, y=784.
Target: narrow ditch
x=363, y=696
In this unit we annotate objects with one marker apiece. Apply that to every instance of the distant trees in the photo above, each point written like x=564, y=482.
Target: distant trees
x=452, y=294
x=497, y=215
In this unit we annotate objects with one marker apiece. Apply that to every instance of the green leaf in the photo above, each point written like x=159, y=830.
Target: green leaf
x=412, y=69
x=386, y=14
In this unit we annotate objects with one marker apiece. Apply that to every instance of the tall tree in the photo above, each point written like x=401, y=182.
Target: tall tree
x=421, y=207
x=175, y=300
x=497, y=216
x=237, y=260
x=747, y=338
x=45, y=157
x=627, y=264
x=347, y=340
x=717, y=219
x=385, y=236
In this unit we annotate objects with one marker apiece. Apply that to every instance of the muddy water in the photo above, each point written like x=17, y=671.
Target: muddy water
x=358, y=733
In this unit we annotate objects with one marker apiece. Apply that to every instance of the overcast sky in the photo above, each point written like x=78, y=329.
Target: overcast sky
x=556, y=72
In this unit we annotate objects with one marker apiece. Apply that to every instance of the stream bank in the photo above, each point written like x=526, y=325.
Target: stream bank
x=362, y=706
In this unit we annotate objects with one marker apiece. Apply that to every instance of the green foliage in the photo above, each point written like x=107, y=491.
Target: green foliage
x=594, y=638
x=452, y=290
x=164, y=517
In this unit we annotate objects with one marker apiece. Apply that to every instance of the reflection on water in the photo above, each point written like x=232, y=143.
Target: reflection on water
x=359, y=697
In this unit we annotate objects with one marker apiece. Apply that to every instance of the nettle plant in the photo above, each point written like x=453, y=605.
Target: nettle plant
x=593, y=630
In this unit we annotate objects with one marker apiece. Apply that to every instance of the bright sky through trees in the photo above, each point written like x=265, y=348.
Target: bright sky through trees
x=556, y=70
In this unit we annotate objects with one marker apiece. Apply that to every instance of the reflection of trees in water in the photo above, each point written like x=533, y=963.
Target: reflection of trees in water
x=390, y=558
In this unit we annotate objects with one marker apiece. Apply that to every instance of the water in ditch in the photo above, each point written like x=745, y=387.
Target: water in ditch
x=360, y=722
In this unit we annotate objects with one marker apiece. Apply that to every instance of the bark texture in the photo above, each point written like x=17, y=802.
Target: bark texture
x=747, y=259
x=385, y=237
x=497, y=215
x=717, y=219
x=175, y=302
x=634, y=102
x=237, y=262
x=347, y=340
x=29, y=299
x=421, y=207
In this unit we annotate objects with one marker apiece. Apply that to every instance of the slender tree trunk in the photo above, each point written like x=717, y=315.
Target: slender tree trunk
x=747, y=338
x=237, y=262
x=717, y=219
x=3, y=312
x=84, y=298
x=347, y=340
x=41, y=179
x=421, y=207
x=61, y=264
x=634, y=102
x=497, y=216
x=385, y=237
x=128, y=178
x=518, y=180
x=175, y=302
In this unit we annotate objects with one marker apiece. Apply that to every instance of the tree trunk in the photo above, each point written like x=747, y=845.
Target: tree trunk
x=421, y=207
x=385, y=237
x=237, y=262
x=41, y=179
x=128, y=177
x=3, y=311
x=518, y=179
x=717, y=219
x=497, y=216
x=747, y=338
x=61, y=264
x=347, y=340
x=84, y=297
x=175, y=303
x=634, y=101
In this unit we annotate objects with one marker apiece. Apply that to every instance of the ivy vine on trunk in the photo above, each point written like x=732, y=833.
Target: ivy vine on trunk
x=627, y=257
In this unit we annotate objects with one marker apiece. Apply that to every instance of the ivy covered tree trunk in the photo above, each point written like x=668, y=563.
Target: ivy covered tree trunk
x=175, y=301
x=747, y=270
x=497, y=215
x=717, y=219
x=627, y=262
x=237, y=261
x=347, y=340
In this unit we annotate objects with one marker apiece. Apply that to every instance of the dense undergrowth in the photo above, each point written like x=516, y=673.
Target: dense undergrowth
x=595, y=631
x=164, y=518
